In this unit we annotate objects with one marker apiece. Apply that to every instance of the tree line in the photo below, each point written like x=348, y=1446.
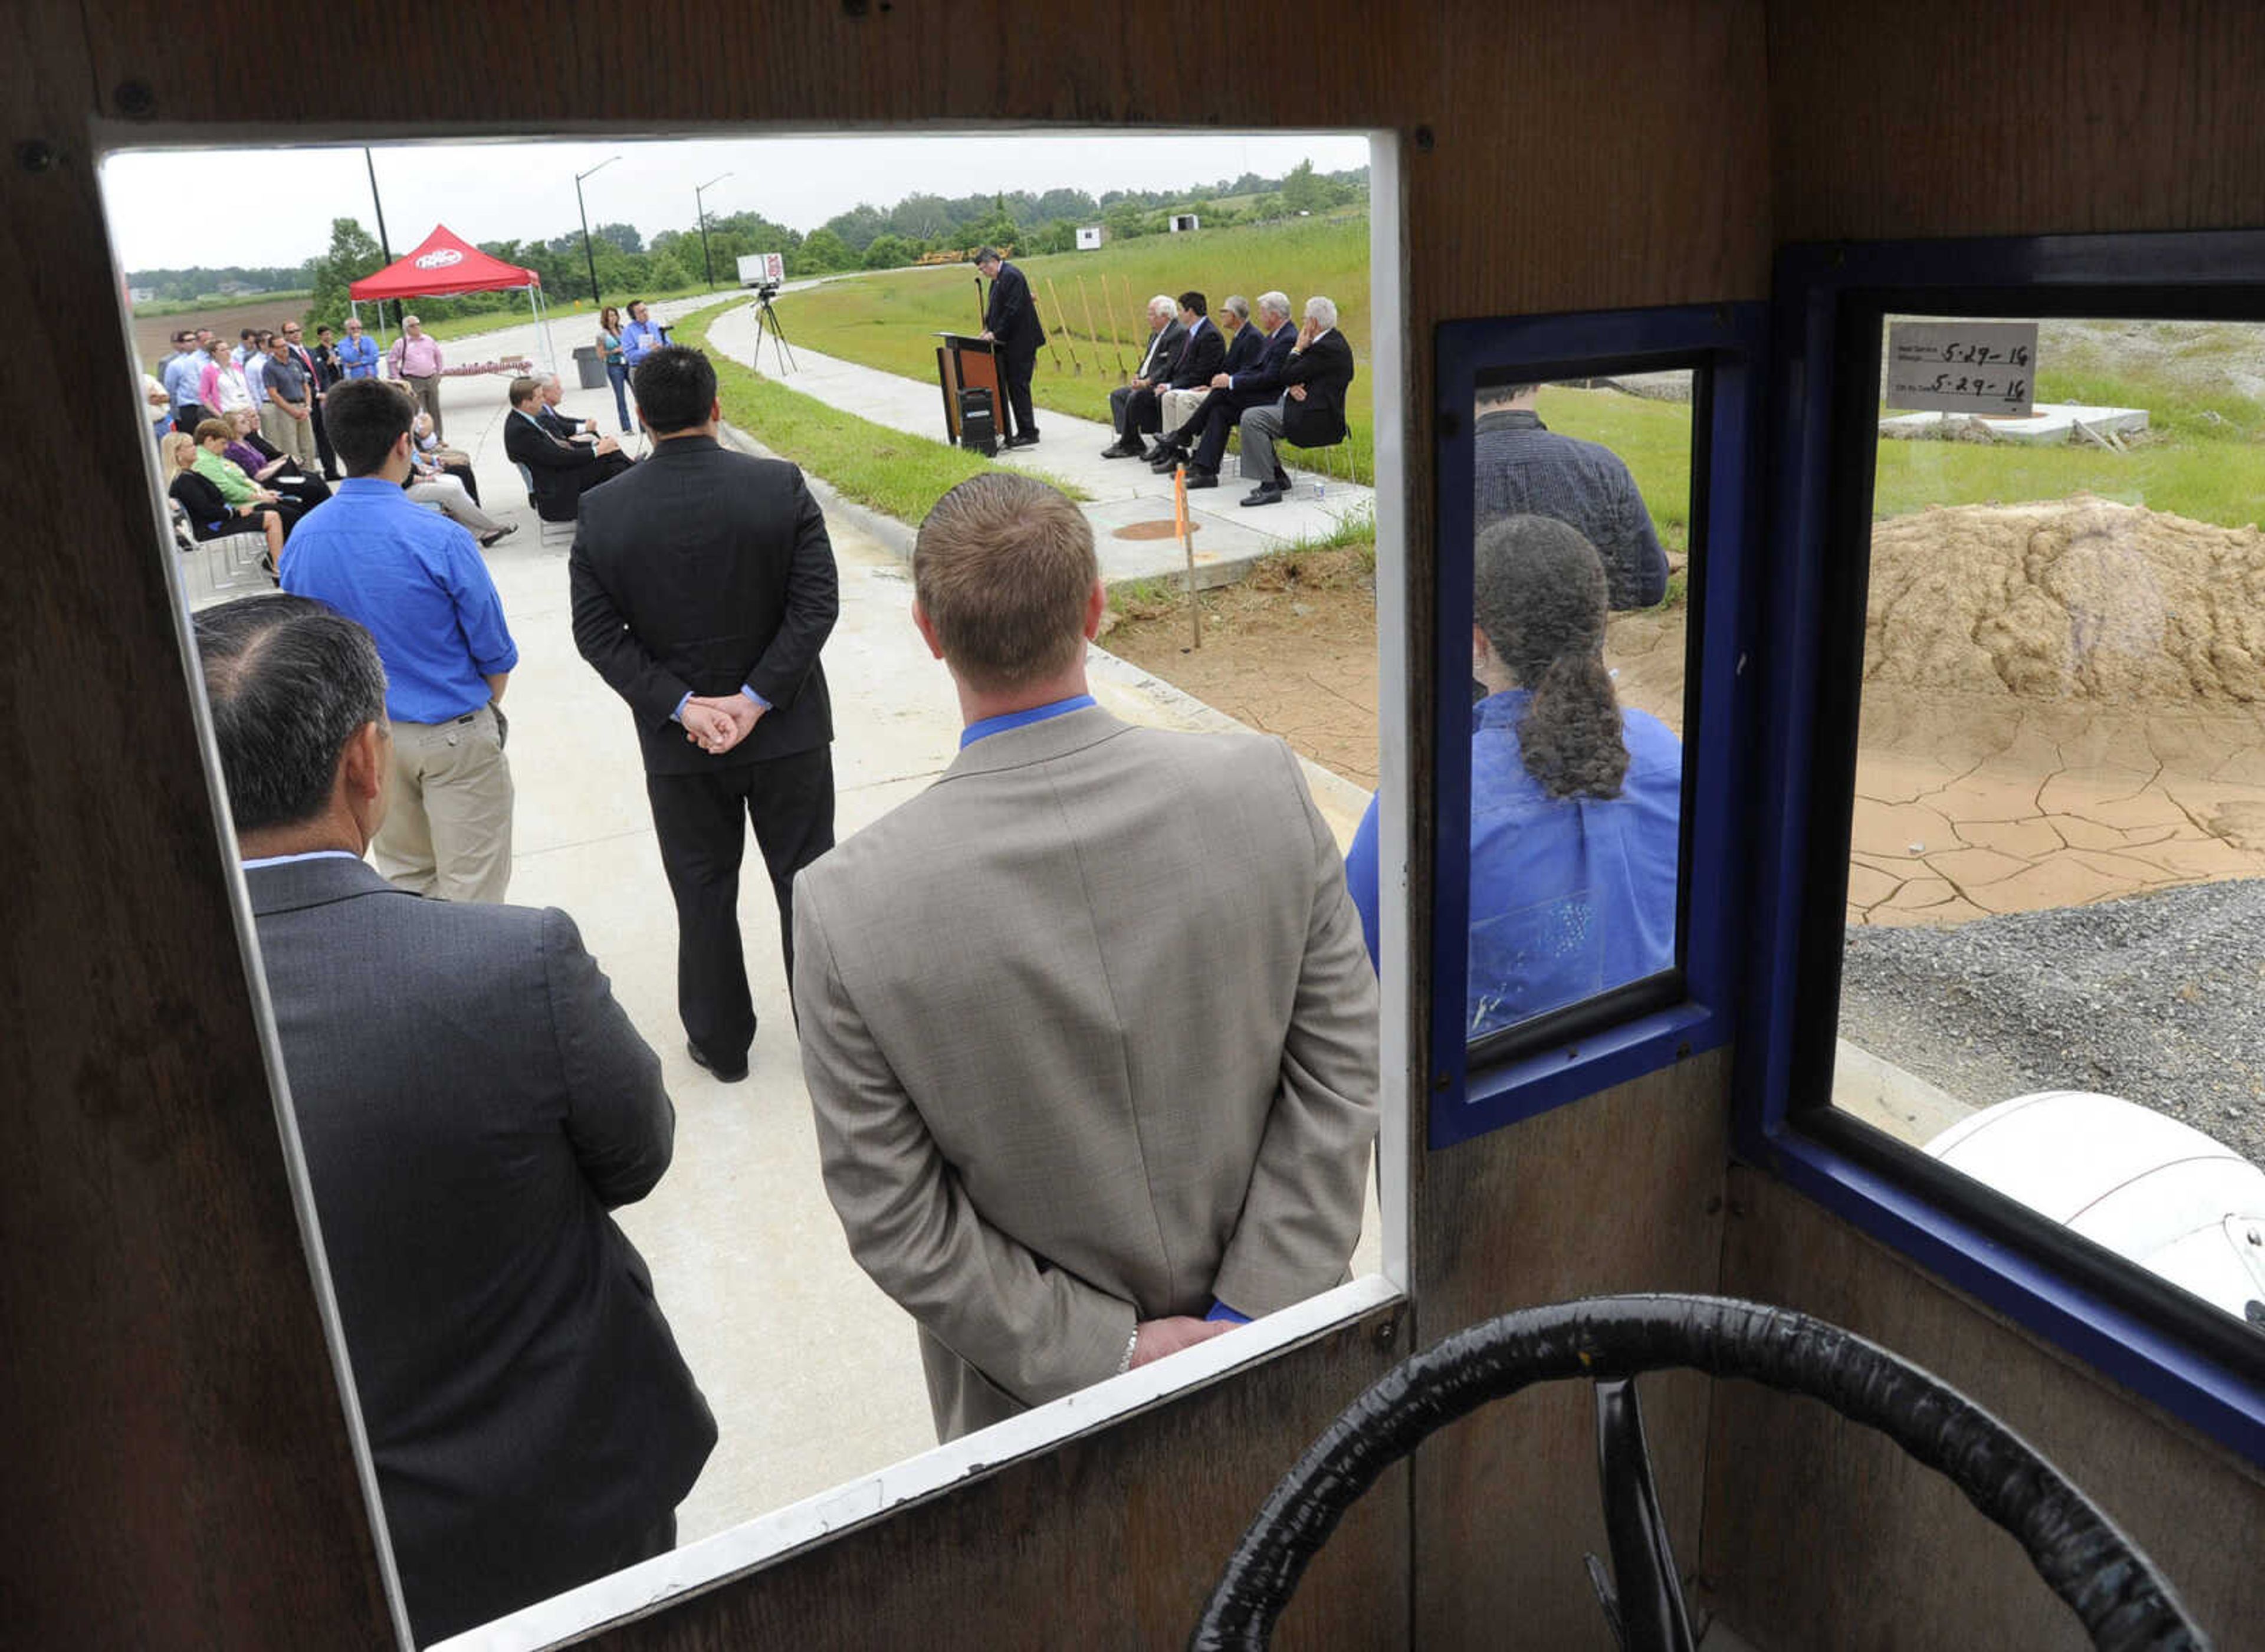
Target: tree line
x=863, y=237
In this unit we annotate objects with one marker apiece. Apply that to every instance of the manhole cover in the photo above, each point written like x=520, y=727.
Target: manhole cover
x=1154, y=530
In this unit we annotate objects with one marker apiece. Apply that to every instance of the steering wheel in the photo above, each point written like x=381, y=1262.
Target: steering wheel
x=2100, y=1574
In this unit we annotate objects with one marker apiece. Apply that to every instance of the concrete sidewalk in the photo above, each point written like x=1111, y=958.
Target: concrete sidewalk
x=1127, y=502
x=813, y=1375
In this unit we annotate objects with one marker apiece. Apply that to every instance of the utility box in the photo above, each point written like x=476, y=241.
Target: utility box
x=1090, y=237
x=1186, y=220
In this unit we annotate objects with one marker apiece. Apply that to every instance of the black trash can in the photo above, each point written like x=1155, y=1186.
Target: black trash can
x=591, y=365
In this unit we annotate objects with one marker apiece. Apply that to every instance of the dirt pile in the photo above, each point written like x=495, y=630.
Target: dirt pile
x=2079, y=598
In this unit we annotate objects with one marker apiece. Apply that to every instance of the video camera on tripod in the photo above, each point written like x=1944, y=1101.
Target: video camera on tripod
x=766, y=272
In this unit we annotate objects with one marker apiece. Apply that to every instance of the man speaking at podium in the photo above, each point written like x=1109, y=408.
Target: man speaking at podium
x=1011, y=322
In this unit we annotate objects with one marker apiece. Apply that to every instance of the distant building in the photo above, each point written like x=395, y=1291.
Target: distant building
x=140, y=294
x=233, y=289
x=1090, y=237
x=1186, y=220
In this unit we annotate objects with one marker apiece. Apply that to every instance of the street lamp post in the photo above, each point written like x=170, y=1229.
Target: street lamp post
x=707, y=267
x=587, y=256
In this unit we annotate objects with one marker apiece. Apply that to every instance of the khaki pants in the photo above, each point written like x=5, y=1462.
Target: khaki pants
x=298, y=443
x=447, y=826
x=1180, y=405
x=426, y=392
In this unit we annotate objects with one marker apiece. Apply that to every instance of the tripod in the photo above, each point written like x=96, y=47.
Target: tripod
x=766, y=321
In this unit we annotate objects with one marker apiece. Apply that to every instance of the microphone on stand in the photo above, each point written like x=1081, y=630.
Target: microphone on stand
x=980, y=308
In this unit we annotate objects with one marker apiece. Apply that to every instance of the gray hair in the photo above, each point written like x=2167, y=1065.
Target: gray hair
x=290, y=681
x=1323, y=310
x=1239, y=304
x=544, y=381
x=1276, y=304
x=1163, y=304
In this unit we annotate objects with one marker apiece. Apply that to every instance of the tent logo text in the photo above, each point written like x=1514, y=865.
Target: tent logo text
x=440, y=260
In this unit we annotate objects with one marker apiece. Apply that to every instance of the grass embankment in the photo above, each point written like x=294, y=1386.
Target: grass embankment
x=900, y=474
x=2203, y=454
x=888, y=320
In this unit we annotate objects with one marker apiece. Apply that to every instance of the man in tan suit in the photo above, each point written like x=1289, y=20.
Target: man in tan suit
x=1088, y=1025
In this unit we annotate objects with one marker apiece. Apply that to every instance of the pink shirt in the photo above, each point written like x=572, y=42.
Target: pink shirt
x=415, y=358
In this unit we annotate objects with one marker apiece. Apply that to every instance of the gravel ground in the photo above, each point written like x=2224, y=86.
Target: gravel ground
x=2159, y=999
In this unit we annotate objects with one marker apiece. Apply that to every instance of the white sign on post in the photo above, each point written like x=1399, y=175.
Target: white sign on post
x=1963, y=367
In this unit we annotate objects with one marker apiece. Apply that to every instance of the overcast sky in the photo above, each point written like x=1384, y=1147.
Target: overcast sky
x=492, y=192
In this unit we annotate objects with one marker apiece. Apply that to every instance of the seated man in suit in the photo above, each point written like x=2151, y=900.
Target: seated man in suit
x=472, y=1102
x=562, y=472
x=1201, y=442
x=1165, y=333
x=555, y=419
x=1242, y=348
x=1311, y=412
x=1138, y=1105
x=1201, y=352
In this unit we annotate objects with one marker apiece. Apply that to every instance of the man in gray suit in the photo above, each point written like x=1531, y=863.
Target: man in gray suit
x=1089, y=1026
x=472, y=1102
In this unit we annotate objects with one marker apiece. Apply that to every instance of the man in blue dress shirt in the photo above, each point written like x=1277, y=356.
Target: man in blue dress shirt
x=415, y=580
x=643, y=336
x=358, y=354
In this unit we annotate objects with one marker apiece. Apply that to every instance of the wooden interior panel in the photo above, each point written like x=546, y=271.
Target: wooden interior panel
x=1113, y=1540
x=1910, y=1563
x=176, y=1448
x=2031, y=117
x=1620, y=1193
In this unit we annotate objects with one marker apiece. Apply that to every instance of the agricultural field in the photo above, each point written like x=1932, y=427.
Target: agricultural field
x=888, y=319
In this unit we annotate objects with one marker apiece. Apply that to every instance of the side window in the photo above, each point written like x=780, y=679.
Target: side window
x=2055, y=929
x=1580, y=583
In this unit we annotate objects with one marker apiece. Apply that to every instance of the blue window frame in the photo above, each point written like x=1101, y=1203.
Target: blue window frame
x=1810, y=595
x=1646, y=1024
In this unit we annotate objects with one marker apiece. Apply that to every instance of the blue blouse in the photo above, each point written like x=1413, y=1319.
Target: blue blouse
x=1569, y=896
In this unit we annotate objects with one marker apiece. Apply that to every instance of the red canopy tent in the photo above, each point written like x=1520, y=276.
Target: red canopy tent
x=446, y=264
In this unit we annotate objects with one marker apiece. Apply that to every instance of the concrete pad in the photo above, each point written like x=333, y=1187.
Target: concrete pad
x=2048, y=422
x=1883, y=1095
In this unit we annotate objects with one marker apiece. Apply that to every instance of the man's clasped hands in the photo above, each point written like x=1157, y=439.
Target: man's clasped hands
x=717, y=723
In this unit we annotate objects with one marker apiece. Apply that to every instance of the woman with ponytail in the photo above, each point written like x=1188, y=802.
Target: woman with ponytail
x=1575, y=801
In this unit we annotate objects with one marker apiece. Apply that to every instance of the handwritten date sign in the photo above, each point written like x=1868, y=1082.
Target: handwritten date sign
x=1963, y=367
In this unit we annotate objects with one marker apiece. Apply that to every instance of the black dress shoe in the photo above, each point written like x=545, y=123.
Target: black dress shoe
x=1023, y=438
x=1124, y=447
x=1265, y=493
x=723, y=1075
x=1199, y=478
x=1164, y=463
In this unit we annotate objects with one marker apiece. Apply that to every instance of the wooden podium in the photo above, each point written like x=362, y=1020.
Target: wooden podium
x=963, y=363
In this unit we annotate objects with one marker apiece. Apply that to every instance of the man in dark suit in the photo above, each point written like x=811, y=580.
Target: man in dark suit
x=1165, y=333
x=561, y=471
x=1311, y=412
x=471, y=1100
x=1201, y=442
x=1201, y=352
x=703, y=587
x=1011, y=322
x=556, y=419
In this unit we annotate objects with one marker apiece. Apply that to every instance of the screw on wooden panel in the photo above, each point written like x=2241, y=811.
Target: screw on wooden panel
x=1386, y=1331
x=35, y=155
x=1441, y=1082
x=1737, y=1207
x=135, y=99
x=1683, y=1050
x=1424, y=140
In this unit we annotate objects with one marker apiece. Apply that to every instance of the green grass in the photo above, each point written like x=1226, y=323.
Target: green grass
x=899, y=475
x=2202, y=456
x=887, y=320
x=216, y=301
